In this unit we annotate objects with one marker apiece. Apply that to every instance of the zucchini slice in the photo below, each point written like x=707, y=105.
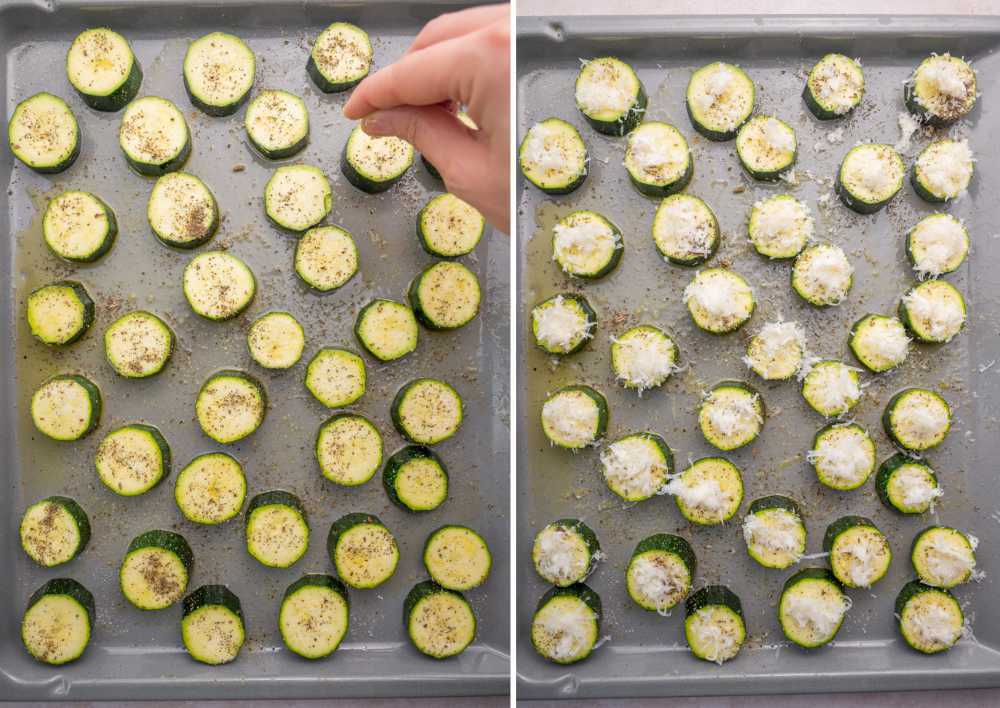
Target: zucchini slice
x=314, y=615
x=933, y=311
x=937, y=245
x=731, y=415
x=565, y=552
x=643, y=357
x=219, y=70
x=440, y=622
x=566, y=625
x=774, y=531
x=138, y=344
x=58, y=621
x=60, y=313
x=822, y=275
x=448, y=227
x=211, y=489
x=812, y=607
x=340, y=58
x=132, y=459
x=212, y=625
x=720, y=98
x=941, y=89
x=363, y=550
x=154, y=136
x=777, y=351
x=336, y=377
x=43, y=133
x=870, y=175
x=713, y=624
x=230, y=406
x=575, y=417
x=348, y=449
x=930, y=619
x=155, y=570
x=374, y=164
x=277, y=124
x=54, y=531
x=101, y=67
x=79, y=227
x=463, y=118
x=277, y=531
x=879, y=342
x=843, y=455
x=218, y=285
x=719, y=300
x=831, y=388
x=660, y=572
x=553, y=157
x=917, y=419
x=66, y=407
x=859, y=552
x=445, y=295
x=637, y=466
x=563, y=324
x=658, y=159
x=835, y=87
x=415, y=479
x=943, y=170
x=276, y=341
x=780, y=226
x=906, y=485
x=386, y=329
x=685, y=230
x=182, y=211
x=326, y=257
x=766, y=147
x=944, y=557
x=457, y=558
x=708, y=492
x=610, y=95
x=427, y=411
x=586, y=245
x=297, y=197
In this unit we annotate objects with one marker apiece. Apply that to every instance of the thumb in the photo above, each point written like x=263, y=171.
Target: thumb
x=433, y=130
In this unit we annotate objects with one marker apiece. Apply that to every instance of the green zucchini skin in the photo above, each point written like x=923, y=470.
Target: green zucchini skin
x=713, y=595
x=93, y=394
x=671, y=544
x=843, y=524
x=884, y=476
x=56, y=167
x=431, y=169
x=775, y=501
x=275, y=497
x=582, y=593
x=168, y=541
x=395, y=464
x=316, y=580
x=283, y=499
x=910, y=591
x=346, y=523
x=426, y=589
x=76, y=592
x=79, y=516
x=82, y=296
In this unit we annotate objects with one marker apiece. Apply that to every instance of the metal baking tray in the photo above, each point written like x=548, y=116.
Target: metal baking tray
x=136, y=655
x=645, y=654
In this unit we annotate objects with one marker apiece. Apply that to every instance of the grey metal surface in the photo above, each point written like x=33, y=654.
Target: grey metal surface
x=137, y=655
x=645, y=654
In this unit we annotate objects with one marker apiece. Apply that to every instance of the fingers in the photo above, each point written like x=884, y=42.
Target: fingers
x=455, y=24
x=433, y=130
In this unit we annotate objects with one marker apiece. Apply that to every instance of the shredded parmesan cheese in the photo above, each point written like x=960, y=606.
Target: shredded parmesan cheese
x=842, y=456
x=732, y=415
x=568, y=419
x=719, y=296
x=945, y=77
x=946, y=167
x=778, y=136
x=937, y=242
x=543, y=148
x=644, y=359
x=917, y=487
x=706, y=494
x=633, y=467
x=933, y=625
x=715, y=86
x=941, y=317
x=822, y=613
x=567, y=631
x=559, y=325
x=782, y=224
x=779, y=533
x=659, y=582
x=558, y=555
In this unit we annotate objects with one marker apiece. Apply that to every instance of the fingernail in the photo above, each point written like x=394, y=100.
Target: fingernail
x=372, y=125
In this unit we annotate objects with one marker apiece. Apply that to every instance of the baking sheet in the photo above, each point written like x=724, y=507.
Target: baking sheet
x=645, y=654
x=137, y=655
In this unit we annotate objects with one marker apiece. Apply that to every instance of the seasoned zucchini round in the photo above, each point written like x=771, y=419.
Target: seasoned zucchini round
x=314, y=615
x=155, y=570
x=567, y=624
x=586, y=245
x=843, y=455
x=831, y=388
x=336, y=377
x=374, y=164
x=79, y=227
x=277, y=124
x=230, y=405
x=777, y=351
x=610, y=95
x=448, y=227
x=386, y=329
x=906, y=485
x=219, y=70
x=720, y=98
x=101, y=67
x=943, y=170
x=812, y=607
x=211, y=488
x=54, y=531
x=57, y=622
x=182, y=211
x=440, y=622
x=575, y=417
x=941, y=89
x=363, y=550
x=660, y=572
x=565, y=552
x=643, y=357
x=154, y=136
x=637, y=466
x=132, y=459
x=43, y=133
x=427, y=411
x=822, y=275
x=218, y=285
x=326, y=257
x=938, y=244
x=60, y=313
x=835, y=86
x=930, y=619
x=445, y=295
x=138, y=344
x=879, y=343
x=297, y=197
x=766, y=147
x=212, y=625
x=780, y=226
x=869, y=177
x=719, y=300
x=859, y=552
x=276, y=340
x=933, y=311
x=944, y=557
x=708, y=492
x=658, y=160
x=415, y=479
x=457, y=558
x=917, y=419
x=277, y=531
x=340, y=58
x=66, y=407
x=553, y=157
x=563, y=324
x=713, y=624
x=348, y=449
x=731, y=415
x=685, y=230
x=774, y=531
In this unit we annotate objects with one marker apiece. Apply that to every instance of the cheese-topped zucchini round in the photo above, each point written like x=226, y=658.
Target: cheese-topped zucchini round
x=314, y=615
x=466, y=121
x=57, y=622
x=944, y=557
x=937, y=245
x=637, y=466
x=297, y=197
x=43, y=133
x=386, y=329
x=427, y=411
x=766, y=147
x=831, y=388
x=917, y=419
x=132, y=459
x=566, y=625
x=870, y=176
x=182, y=211
x=553, y=156
x=277, y=123
x=859, y=552
x=457, y=558
x=277, y=531
x=211, y=488
x=60, y=313
x=941, y=89
x=415, y=479
x=340, y=58
x=777, y=351
x=708, y=492
x=445, y=295
x=713, y=624
x=906, y=485
x=586, y=245
x=720, y=98
x=575, y=417
x=154, y=136
x=276, y=340
x=101, y=67
x=643, y=357
x=685, y=230
x=374, y=164
x=66, y=407
x=774, y=531
x=54, y=530
x=219, y=70
x=336, y=377
x=843, y=455
x=879, y=342
x=79, y=226
x=326, y=257
x=230, y=405
x=448, y=227
x=930, y=619
x=658, y=160
x=155, y=570
x=719, y=300
x=731, y=415
x=563, y=324
x=363, y=550
x=439, y=622
x=348, y=449
x=610, y=95
x=565, y=552
x=780, y=226
x=138, y=344
x=660, y=572
x=822, y=275
x=933, y=311
x=212, y=625
x=943, y=170
x=218, y=285
x=835, y=86
x=812, y=607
